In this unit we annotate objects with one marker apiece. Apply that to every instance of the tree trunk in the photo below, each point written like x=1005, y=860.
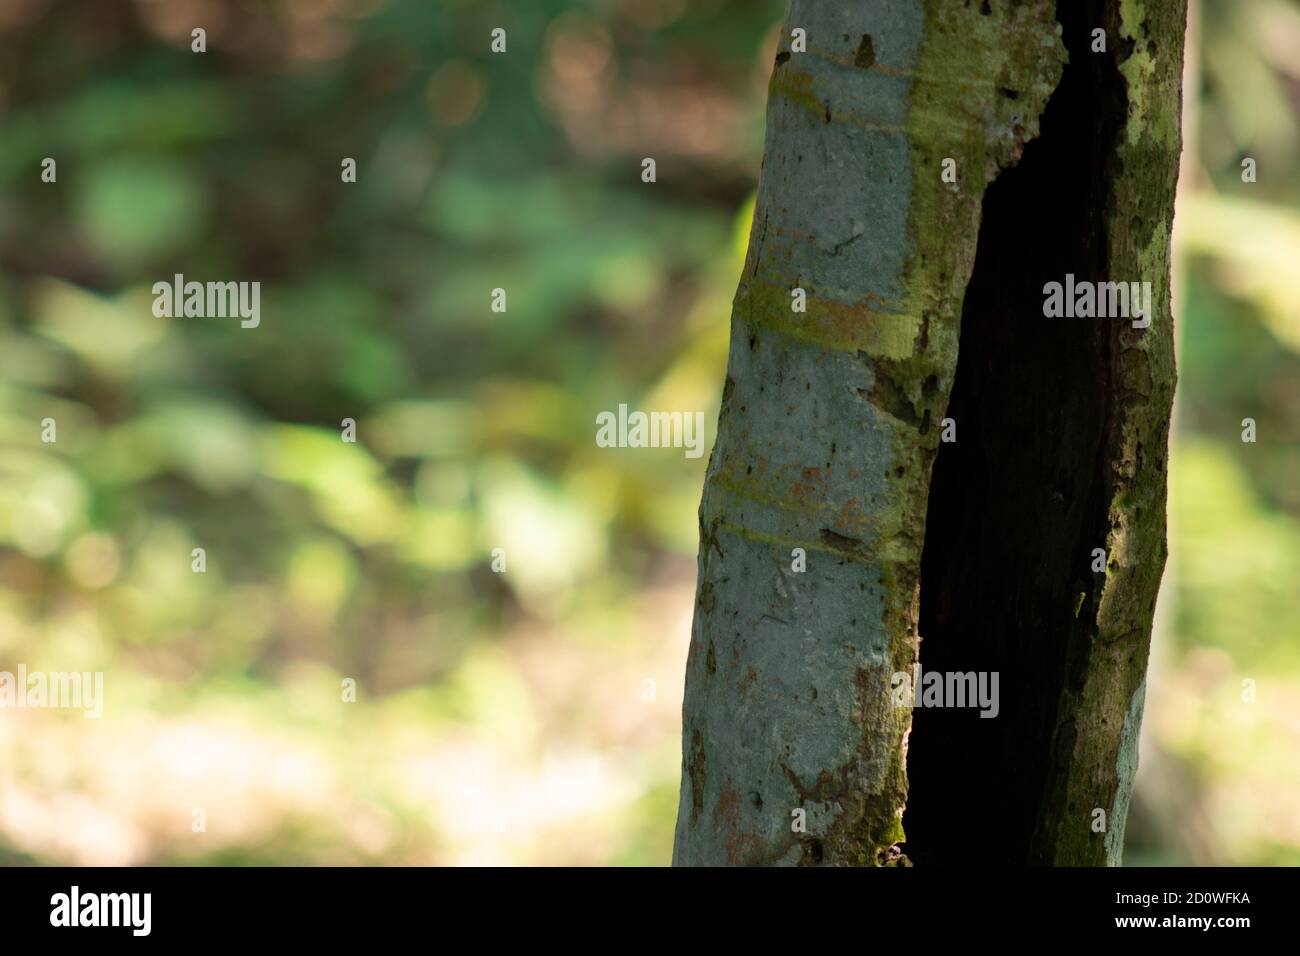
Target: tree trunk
x=844, y=535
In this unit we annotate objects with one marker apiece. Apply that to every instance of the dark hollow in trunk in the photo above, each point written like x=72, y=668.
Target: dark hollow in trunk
x=1019, y=501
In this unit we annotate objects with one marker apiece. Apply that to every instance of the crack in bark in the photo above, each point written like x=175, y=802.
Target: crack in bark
x=1019, y=502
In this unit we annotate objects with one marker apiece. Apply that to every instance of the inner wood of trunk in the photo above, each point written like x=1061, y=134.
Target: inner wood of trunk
x=1018, y=502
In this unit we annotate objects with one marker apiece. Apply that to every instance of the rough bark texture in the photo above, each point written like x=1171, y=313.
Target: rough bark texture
x=830, y=427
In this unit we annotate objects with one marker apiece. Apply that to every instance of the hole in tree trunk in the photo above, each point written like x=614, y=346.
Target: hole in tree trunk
x=1018, y=501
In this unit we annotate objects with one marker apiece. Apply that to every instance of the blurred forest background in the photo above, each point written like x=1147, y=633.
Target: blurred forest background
x=531, y=716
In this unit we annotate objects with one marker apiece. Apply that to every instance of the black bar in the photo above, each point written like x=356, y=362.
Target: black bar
x=336, y=905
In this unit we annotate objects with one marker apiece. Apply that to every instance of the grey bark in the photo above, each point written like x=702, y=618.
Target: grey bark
x=794, y=751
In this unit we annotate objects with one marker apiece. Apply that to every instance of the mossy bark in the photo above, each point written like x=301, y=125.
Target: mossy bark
x=1100, y=712
x=794, y=751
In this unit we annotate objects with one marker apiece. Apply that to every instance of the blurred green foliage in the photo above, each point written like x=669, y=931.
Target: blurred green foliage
x=494, y=711
x=1219, y=781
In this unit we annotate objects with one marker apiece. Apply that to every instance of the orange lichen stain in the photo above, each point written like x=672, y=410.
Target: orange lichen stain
x=850, y=518
x=814, y=484
x=741, y=845
x=800, y=492
x=727, y=813
x=867, y=326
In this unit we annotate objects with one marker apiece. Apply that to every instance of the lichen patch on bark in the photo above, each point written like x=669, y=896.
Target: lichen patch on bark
x=829, y=421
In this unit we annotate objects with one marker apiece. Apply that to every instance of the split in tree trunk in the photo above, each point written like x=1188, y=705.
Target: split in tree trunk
x=925, y=303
